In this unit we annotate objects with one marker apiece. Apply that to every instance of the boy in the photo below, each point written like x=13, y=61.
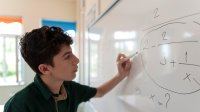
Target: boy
x=47, y=51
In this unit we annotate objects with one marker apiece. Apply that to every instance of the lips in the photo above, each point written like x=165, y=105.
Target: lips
x=76, y=69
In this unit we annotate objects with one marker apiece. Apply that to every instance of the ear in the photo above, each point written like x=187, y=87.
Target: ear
x=43, y=69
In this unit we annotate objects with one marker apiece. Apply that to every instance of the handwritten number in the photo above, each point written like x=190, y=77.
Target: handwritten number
x=164, y=36
x=156, y=13
x=186, y=56
x=164, y=63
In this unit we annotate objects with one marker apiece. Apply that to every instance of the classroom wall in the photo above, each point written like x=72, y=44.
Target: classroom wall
x=32, y=11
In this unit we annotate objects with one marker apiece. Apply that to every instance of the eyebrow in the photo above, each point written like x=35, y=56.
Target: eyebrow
x=67, y=53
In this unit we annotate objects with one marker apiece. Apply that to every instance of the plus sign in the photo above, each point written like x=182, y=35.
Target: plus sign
x=173, y=62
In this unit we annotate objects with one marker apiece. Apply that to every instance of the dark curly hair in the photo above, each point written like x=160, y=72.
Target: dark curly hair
x=40, y=45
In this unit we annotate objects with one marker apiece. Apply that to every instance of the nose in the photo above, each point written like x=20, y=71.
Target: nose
x=75, y=60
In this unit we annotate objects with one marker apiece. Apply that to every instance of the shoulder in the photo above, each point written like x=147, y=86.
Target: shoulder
x=26, y=92
x=79, y=92
x=20, y=99
x=73, y=86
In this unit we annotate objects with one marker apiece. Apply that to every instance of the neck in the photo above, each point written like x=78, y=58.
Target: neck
x=53, y=84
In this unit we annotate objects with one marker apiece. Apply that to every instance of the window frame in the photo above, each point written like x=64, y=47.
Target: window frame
x=18, y=73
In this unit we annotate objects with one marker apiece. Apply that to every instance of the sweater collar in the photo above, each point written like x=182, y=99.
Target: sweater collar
x=42, y=87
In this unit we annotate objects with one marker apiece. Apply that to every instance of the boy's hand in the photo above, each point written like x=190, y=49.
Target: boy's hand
x=123, y=65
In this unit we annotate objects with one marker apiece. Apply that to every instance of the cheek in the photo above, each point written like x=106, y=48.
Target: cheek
x=65, y=67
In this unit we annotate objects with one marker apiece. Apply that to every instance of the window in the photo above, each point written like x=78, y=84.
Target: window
x=10, y=58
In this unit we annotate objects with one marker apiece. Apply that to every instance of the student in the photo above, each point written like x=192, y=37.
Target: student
x=47, y=51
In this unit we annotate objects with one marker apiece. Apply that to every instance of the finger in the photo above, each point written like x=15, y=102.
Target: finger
x=123, y=63
x=128, y=65
x=120, y=56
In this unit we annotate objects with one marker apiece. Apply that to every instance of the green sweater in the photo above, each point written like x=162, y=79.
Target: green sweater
x=36, y=97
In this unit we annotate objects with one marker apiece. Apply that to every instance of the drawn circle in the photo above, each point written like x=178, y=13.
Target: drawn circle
x=169, y=56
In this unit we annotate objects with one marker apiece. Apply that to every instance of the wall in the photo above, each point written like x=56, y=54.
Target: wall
x=32, y=11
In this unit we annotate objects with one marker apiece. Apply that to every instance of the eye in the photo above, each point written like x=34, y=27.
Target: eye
x=67, y=56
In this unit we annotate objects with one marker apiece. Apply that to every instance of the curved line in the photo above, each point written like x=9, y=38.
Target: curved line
x=164, y=26
x=178, y=42
x=196, y=23
x=173, y=20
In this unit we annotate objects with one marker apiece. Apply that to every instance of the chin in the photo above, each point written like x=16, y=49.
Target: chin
x=70, y=78
x=73, y=77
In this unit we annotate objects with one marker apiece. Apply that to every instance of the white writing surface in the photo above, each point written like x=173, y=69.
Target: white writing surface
x=165, y=75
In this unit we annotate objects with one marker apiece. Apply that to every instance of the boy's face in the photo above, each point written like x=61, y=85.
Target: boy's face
x=65, y=64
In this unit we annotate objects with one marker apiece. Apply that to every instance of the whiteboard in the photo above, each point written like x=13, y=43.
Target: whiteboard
x=165, y=75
